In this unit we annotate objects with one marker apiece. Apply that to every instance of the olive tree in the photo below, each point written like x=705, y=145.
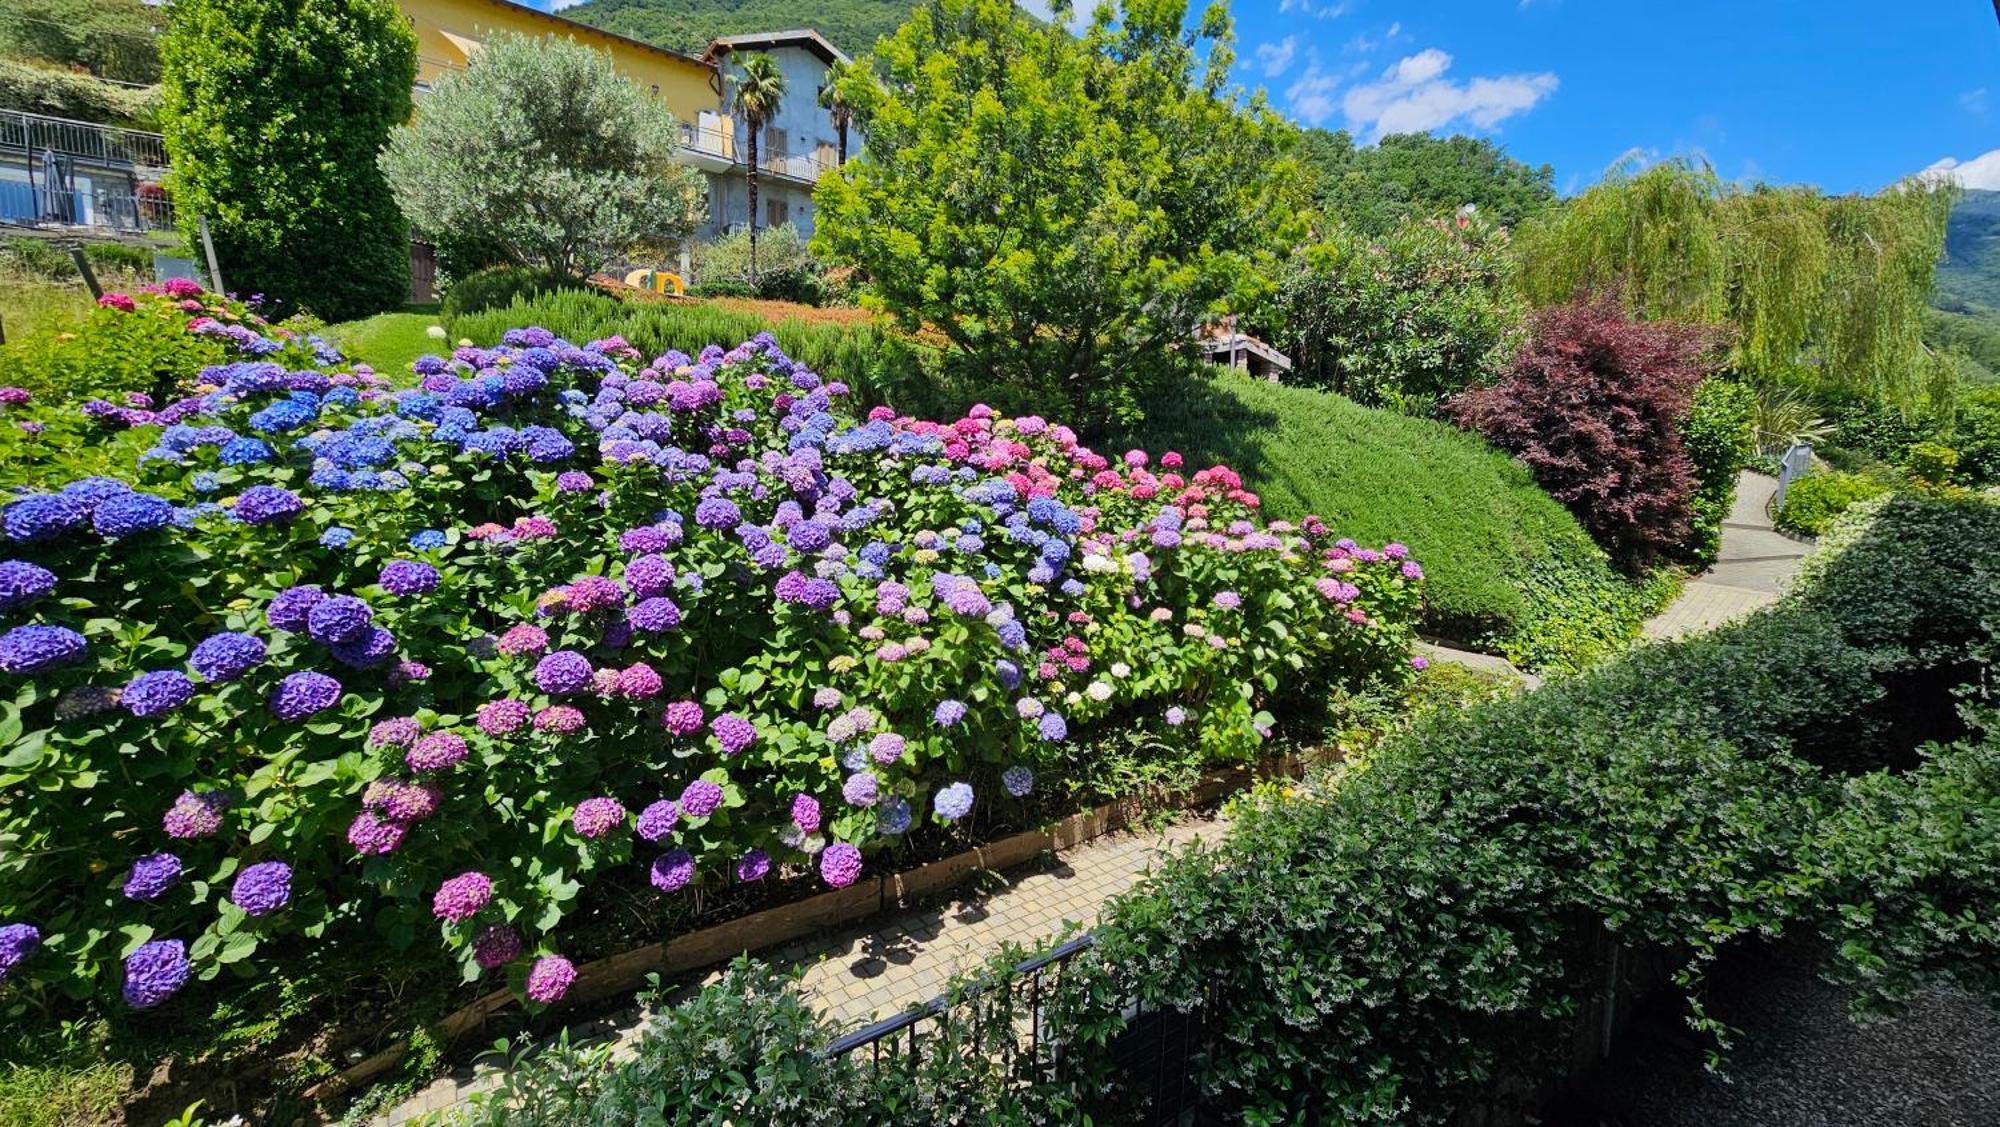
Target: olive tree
x=543, y=148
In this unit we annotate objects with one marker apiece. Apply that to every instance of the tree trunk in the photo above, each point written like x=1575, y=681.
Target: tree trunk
x=842, y=123
x=751, y=175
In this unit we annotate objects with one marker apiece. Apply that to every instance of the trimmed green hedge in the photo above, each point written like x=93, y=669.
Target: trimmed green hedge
x=1507, y=565
x=1425, y=929
x=1815, y=501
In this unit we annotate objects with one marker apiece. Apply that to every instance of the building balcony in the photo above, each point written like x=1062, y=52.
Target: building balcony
x=717, y=150
x=80, y=176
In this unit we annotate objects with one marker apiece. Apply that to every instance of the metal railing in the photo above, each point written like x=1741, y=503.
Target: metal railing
x=99, y=209
x=32, y=133
x=721, y=144
x=1152, y=1057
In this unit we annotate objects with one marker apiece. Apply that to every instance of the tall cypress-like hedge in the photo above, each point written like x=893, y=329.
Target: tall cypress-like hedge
x=274, y=111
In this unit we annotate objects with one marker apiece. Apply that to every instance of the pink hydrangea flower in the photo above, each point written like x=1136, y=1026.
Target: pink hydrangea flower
x=460, y=898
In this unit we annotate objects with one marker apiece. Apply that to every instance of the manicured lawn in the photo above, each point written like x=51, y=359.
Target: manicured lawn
x=388, y=341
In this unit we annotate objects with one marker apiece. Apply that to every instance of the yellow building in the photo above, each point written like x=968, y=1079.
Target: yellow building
x=449, y=33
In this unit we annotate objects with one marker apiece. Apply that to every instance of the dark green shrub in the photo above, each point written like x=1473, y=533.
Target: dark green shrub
x=63, y=93
x=1720, y=435
x=1875, y=428
x=1815, y=501
x=1977, y=437
x=274, y=111
x=497, y=287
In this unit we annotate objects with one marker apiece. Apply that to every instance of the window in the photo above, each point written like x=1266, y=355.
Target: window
x=777, y=213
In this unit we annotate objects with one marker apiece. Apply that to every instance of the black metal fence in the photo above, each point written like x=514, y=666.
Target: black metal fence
x=1153, y=1059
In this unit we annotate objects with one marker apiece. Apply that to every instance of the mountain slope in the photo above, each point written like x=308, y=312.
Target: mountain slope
x=688, y=25
x=1966, y=317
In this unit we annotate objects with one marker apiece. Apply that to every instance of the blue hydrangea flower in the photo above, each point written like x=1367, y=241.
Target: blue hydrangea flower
x=157, y=693
x=152, y=875
x=268, y=504
x=44, y=516
x=427, y=540
x=244, y=452
x=227, y=656
x=22, y=583
x=336, y=538
x=1018, y=780
x=154, y=972
x=953, y=802
x=32, y=649
x=129, y=514
x=892, y=817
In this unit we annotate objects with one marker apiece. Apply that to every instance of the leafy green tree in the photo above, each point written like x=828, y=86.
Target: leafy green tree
x=1063, y=209
x=112, y=39
x=1822, y=292
x=273, y=112
x=1408, y=175
x=543, y=148
x=760, y=87
x=689, y=25
x=1404, y=319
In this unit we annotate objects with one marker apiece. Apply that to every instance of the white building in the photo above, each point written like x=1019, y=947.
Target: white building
x=799, y=144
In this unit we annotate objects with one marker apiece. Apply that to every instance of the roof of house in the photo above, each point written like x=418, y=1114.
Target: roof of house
x=765, y=40
x=636, y=44
x=1223, y=342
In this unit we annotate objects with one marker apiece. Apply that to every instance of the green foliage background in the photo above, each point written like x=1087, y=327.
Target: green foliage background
x=1416, y=175
x=274, y=111
x=688, y=25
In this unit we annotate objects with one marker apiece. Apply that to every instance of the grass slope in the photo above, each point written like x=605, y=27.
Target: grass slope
x=1966, y=317
x=688, y=25
x=388, y=341
x=1507, y=565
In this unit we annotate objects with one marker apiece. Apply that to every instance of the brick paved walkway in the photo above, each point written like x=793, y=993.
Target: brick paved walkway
x=1750, y=571
x=887, y=963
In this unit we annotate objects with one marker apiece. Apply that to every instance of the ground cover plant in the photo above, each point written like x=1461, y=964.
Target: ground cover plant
x=1510, y=568
x=391, y=670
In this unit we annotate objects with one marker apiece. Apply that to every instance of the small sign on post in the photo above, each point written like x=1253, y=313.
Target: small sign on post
x=1793, y=466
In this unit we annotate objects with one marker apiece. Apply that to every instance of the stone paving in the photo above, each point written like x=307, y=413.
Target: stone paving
x=1750, y=571
x=887, y=963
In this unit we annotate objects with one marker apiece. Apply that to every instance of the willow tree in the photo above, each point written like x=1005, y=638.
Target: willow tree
x=1822, y=291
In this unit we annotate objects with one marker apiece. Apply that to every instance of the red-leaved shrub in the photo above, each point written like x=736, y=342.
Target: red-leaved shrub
x=1592, y=403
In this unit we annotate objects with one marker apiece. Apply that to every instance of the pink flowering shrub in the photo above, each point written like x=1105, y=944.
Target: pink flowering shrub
x=562, y=622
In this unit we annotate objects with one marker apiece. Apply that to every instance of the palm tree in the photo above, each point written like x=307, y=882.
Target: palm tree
x=760, y=86
x=834, y=100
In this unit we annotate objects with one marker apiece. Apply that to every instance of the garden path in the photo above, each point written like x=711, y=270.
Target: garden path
x=1750, y=571
x=878, y=967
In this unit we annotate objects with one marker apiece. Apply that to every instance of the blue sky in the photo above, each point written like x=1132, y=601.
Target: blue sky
x=1844, y=95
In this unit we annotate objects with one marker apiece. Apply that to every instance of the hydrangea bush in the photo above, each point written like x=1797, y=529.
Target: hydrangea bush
x=421, y=664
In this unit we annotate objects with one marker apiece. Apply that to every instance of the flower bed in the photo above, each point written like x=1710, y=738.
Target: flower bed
x=352, y=664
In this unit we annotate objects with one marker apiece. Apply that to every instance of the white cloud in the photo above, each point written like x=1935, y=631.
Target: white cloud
x=1324, y=11
x=1275, y=58
x=1981, y=173
x=1311, y=95
x=1974, y=101
x=1414, y=96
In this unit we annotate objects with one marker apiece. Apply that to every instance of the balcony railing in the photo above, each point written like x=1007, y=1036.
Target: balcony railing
x=30, y=133
x=721, y=144
x=111, y=210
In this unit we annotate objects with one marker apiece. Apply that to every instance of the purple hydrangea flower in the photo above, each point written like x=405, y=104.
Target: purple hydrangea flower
x=559, y=719
x=18, y=942
x=1052, y=727
x=128, y=514
x=717, y=512
x=291, y=610
x=302, y=694
x=33, y=649
x=861, y=789
x=701, y=798
x=152, y=875
x=400, y=731
x=372, y=837
x=595, y=817
x=525, y=638
x=806, y=813
x=408, y=577
x=1228, y=600
x=574, y=481
x=953, y=802
x=195, y=815
x=1018, y=780
x=496, y=946
x=648, y=576
x=733, y=732
x=227, y=656
x=262, y=888
x=154, y=972
x=563, y=672
x=949, y=713
x=549, y=979
x=682, y=718
x=673, y=870
x=1176, y=716
x=366, y=650
x=654, y=615
x=460, y=898
x=157, y=693
x=840, y=865
x=657, y=820
x=338, y=618
x=268, y=504
x=22, y=583
x=753, y=866
x=886, y=748
x=437, y=751
x=503, y=717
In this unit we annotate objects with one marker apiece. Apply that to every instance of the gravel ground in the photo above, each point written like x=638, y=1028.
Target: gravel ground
x=1800, y=1060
